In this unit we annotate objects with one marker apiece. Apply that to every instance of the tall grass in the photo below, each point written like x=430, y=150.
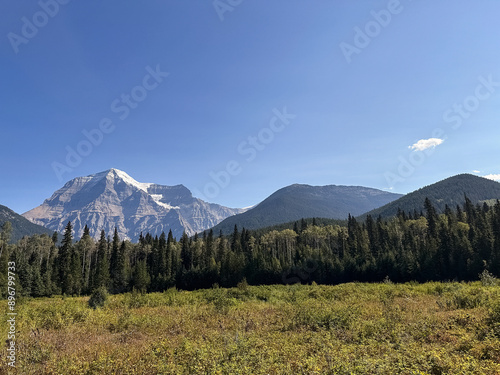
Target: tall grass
x=355, y=328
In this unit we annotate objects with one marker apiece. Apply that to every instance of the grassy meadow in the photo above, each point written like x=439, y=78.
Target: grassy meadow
x=356, y=328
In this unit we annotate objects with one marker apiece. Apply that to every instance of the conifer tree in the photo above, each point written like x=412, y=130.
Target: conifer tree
x=186, y=256
x=37, y=285
x=235, y=240
x=76, y=271
x=113, y=260
x=161, y=276
x=121, y=271
x=141, y=278
x=102, y=277
x=86, y=248
x=65, y=259
x=171, y=259
x=432, y=217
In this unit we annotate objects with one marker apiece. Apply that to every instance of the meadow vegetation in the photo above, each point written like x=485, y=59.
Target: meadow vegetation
x=353, y=328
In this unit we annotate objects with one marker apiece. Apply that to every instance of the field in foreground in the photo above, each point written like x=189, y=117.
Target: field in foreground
x=433, y=328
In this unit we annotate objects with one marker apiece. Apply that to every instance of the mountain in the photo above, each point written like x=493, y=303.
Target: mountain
x=114, y=199
x=20, y=226
x=298, y=201
x=449, y=192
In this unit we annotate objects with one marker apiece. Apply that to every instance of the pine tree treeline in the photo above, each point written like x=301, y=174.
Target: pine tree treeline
x=416, y=246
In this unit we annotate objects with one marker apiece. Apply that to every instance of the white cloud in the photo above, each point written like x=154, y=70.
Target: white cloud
x=476, y=171
x=494, y=177
x=424, y=144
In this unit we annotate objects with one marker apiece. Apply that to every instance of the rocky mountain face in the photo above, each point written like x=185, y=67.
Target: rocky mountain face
x=112, y=199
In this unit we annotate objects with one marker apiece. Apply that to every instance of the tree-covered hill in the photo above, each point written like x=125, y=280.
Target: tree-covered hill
x=450, y=191
x=20, y=226
x=298, y=201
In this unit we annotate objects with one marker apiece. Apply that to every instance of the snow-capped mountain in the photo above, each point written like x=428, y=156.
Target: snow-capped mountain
x=112, y=199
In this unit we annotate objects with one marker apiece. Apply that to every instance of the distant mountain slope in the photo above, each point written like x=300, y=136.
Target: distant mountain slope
x=112, y=198
x=20, y=226
x=298, y=201
x=446, y=192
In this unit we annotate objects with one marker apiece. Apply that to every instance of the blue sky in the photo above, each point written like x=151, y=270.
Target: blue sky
x=355, y=84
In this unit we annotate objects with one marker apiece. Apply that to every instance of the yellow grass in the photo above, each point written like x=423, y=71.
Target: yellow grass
x=434, y=328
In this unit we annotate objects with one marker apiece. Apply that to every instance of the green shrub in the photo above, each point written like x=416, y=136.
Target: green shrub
x=460, y=296
x=494, y=317
x=319, y=316
x=221, y=300
x=122, y=323
x=243, y=285
x=98, y=298
x=58, y=314
x=488, y=279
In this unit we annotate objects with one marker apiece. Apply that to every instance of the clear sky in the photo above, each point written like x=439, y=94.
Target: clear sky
x=259, y=94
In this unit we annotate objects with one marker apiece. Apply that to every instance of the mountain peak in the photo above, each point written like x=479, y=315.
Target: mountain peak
x=125, y=177
x=112, y=198
x=116, y=173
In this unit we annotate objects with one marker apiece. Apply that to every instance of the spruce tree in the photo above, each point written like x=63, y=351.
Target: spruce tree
x=76, y=271
x=235, y=240
x=120, y=275
x=86, y=248
x=209, y=248
x=102, y=266
x=113, y=261
x=140, y=277
x=186, y=256
x=162, y=262
x=432, y=217
x=171, y=259
x=37, y=284
x=65, y=261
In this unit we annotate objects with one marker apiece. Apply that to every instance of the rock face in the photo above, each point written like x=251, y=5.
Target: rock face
x=112, y=199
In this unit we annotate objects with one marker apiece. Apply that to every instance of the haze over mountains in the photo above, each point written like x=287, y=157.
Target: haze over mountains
x=112, y=199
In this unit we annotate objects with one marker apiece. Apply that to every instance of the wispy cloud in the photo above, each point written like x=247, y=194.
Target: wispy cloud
x=476, y=171
x=424, y=144
x=494, y=177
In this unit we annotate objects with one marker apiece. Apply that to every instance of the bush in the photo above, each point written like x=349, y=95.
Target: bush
x=59, y=314
x=243, y=286
x=98, y=298
x=459, y=296
x=221, y=300
x=314, y=316
x=487, y=278
x=494, y=317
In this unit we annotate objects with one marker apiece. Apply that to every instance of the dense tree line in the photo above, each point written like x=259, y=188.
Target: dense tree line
x=455, y=245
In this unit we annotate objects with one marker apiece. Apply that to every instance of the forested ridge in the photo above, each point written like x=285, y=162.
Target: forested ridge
x=20, y=226
x=449, y=191
x=413, y=246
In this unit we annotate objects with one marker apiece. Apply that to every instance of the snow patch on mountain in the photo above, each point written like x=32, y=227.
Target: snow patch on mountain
x=129, y=180
x=112, y=198
x=157, y=198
